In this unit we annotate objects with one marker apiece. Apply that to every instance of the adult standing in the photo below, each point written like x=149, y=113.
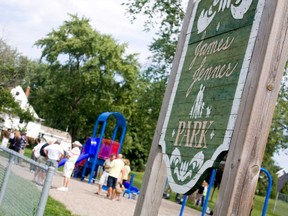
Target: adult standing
x=205, y=185
x=199, y=194
x=15, y=141
x=127, y=170
x=23, y=143
x=116, y=169
x=54, y=154
x=40, y=174
x=5, y=139
x=72, y=156
x=105, y=174
x=35, y=153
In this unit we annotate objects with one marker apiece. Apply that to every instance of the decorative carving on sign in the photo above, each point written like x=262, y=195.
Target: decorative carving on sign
x=184, y=169
x=199, y=104
x=238, y=10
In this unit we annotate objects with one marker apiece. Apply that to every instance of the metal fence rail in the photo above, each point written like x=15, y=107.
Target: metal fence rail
x=281, y=204
x=21, y=192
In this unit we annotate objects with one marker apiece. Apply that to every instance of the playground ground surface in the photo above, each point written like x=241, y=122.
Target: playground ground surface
x=81, y=200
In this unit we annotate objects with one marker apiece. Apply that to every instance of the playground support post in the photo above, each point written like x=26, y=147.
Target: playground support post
x=268, y=192
x=212, y=178
x=94, y=161
x=183, y=205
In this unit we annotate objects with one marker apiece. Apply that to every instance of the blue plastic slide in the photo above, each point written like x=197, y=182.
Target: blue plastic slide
x=132, y=188
x=80, y=158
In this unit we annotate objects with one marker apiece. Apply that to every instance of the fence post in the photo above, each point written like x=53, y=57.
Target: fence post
x=6, y=178
x=45, y=191
x=276, y=202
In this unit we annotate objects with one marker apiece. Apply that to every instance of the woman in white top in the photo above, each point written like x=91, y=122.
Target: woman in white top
x=127, y=170
x=70, y=164
x=5, y=140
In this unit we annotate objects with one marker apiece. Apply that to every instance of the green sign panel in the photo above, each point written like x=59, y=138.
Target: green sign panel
x=207, y=92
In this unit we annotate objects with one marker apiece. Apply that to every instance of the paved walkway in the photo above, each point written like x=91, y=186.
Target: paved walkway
x=81, y=200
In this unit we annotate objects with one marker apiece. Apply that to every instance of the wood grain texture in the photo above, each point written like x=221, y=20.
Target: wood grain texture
x=152, y=189
x=255, y=115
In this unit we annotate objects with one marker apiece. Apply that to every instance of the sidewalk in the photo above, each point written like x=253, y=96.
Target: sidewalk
x=81, y=200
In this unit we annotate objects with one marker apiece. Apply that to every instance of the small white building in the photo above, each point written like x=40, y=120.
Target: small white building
x=11, y=121
x=35, y=128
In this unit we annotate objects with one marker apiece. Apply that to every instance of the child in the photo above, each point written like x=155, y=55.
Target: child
x=119, y=190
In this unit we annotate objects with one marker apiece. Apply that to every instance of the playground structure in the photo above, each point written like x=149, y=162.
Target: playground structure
x=97, y=149
x=212, y=178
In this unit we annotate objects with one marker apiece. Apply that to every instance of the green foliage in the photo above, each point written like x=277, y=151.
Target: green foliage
x=13, y=68
x=9, y=105
x=86, y=74
x=167, y=17
x=277, y=138
x=284, y=190
x=7, y=101
x=138, y=179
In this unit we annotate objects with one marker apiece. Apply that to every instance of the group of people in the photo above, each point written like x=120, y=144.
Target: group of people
x=14, y=140
x=51, y=153
x=116, y=172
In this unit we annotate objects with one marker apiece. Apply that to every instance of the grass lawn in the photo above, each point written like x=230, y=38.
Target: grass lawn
x=138, y=178
x=53, y=207
x=56, y=208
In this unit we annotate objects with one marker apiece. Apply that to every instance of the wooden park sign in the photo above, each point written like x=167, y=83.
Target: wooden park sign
x=221, y=95
x=206, y=96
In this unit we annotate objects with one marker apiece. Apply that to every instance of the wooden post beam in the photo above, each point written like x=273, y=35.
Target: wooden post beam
x=252, y=128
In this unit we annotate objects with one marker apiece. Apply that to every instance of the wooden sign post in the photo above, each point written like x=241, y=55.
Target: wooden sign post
x=252, y=128
x=221, y=95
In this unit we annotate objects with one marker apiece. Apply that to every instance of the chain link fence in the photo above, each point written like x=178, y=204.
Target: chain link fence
x=24, y=184
x=281, y=204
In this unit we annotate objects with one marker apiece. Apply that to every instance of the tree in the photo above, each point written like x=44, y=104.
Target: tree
x=13, y=69
x=83, y=74
x=143, y=121
x=167, y=15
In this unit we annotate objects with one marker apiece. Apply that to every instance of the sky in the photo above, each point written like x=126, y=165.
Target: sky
x=282, y=159
x=23, y=22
